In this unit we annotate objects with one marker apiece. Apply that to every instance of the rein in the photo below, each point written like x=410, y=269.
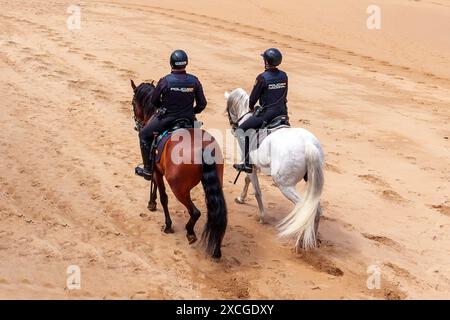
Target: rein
x=235, y=124
x=138, y=125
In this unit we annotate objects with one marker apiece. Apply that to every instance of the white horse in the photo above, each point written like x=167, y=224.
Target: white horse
x=289, y=155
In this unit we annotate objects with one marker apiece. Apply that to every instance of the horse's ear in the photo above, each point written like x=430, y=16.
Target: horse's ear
x=133, y=85
x=227, y=94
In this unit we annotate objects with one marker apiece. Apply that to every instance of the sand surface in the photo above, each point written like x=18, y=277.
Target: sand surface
x=378, y=101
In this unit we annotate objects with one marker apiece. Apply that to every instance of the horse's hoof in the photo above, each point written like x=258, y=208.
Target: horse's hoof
x=151, y=207
x=168, y=230
x=261, y=220
x=239, y=200
x=191, y=238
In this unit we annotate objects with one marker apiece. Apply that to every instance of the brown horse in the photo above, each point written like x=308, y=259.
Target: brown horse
x=183, y=176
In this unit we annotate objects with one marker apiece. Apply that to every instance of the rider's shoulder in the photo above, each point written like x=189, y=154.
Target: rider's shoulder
x=192, y=76
x=163, y=78
x=261, y=77
x=283, y=72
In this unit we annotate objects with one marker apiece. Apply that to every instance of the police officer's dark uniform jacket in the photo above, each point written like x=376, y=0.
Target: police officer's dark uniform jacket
x=174, y=96
x=271, y=90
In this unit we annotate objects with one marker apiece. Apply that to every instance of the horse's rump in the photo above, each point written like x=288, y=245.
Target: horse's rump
x=189, y=155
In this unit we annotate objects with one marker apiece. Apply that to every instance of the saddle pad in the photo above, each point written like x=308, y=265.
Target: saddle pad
x=160, y=143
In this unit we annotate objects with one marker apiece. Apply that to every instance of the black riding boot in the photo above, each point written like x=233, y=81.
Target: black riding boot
x=145, y=172
x=244, y=143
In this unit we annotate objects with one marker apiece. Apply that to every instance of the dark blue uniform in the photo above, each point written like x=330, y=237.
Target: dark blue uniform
x=176, y=94
x=271, y=90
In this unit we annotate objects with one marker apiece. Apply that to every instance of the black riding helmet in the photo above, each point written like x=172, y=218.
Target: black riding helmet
x=272, y=57
x=178, y=59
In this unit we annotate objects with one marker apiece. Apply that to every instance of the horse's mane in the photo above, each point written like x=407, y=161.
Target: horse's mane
x=237, y=102
x=143, y=96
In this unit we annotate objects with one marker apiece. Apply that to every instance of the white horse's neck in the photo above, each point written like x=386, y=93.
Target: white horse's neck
x=244, y=116
x=241, y=105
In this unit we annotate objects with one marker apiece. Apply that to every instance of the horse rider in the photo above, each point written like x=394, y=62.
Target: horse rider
x=173, y=98
x=271, y=90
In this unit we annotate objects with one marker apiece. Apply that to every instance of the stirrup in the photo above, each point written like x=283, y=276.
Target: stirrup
x=143, y=172
x=243, y=167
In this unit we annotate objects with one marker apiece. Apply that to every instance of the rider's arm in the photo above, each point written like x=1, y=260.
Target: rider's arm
x=156, y=96
x=256, y=92
x=200, y=99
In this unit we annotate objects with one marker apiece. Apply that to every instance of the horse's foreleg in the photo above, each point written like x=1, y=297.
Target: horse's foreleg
x=258, y=194
x=152, y=202
x=164, y=201
x=241, y=198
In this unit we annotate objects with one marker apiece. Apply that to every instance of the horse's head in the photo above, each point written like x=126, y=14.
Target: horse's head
x=142, y=105
x=237, y=106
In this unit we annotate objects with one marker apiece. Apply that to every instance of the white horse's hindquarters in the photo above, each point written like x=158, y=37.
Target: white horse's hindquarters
x=282, y=155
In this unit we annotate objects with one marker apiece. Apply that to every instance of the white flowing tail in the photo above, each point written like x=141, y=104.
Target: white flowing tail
x=299, y=223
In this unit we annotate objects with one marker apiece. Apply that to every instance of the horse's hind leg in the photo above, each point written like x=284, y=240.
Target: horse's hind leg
x=194, y=216
x=241, y=198
x=290, y=193
x=258, y=194
x=317, y=220
x=185, y=198
x=164, y=201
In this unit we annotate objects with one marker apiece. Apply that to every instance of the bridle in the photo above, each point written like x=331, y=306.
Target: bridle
x=139, y=125
x=235, y=124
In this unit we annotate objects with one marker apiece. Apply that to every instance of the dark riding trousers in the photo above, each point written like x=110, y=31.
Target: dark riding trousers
x=175, y=94
x=270, y=89
x=155, y=125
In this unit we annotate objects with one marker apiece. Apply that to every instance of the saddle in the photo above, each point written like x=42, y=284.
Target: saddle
x=269, y=127
x=276, y=123
x=160, y=141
